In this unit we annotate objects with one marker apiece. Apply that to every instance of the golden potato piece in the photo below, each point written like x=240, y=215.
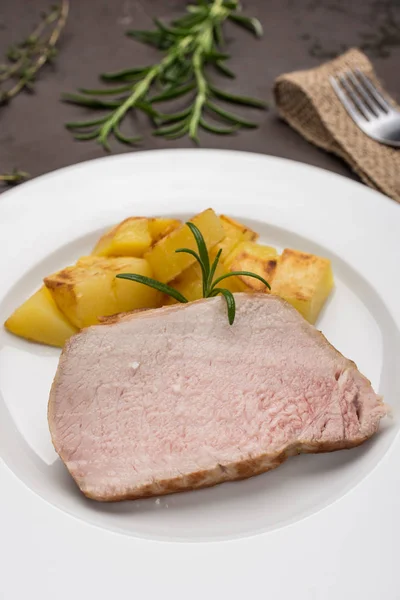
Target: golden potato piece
x=40, y=320
x=166, y=263
x=304, y=280
x=159, y=227
x=89, y=289
x=256, y=258
x=235, y=233
x=131, y=237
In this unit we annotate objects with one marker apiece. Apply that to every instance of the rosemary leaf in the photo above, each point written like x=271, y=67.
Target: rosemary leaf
x=241, y=273
x=213, y=268
x=204, y=272
x=173, y=93
x=215, y=56
x=230, y=302
x=85, y=124
x=168, y=129
x=105, y=91
x=152, y=38
x=89, y=102
x=253, y=25
x=245, y=100
x=219, y=38
x=203, y=252
x=179, y=116
x=125, y=74
x=180, y=133
x=90, y=135
x=174, y=31
x=189, y=21
x=157, y=285
x=219, y=65
x=230, y=117
x=218, y=130
x=124, y=139
x=148, y=109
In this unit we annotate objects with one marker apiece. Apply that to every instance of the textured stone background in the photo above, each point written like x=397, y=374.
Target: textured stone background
x=298, y=34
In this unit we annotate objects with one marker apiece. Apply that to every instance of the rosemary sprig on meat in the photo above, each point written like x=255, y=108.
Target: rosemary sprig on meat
x=211, y=286
x=24, y=60
x=191, y=45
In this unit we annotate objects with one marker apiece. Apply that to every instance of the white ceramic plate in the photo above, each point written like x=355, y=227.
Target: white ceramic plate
x=319, y=527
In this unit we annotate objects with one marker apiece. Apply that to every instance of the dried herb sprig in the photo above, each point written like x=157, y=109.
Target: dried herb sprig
x=13, y=178
x=24, y=60
x=210, y=286
x=191, y=45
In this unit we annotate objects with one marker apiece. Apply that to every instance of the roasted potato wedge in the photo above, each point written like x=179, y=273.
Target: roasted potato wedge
x=40, y=320
x=90, y=289
x=166, y=263
x=159, y=227
x=304, y=280
x=235, y=233
x=259, y=259
x=131, y=237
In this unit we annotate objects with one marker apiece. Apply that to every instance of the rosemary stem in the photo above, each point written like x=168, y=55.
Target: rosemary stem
x=14, y=177
x=139, y=90
x=201, y=94
x=43, y=58
x=191, y=45
x=35, y=35
x=13, y=69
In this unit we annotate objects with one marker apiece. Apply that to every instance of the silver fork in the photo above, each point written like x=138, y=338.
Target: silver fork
x=369, y=109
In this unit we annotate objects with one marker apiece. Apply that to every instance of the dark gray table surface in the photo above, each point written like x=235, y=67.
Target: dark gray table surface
x=298, y=34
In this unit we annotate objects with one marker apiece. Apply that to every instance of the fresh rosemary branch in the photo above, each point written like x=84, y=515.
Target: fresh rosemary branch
x=210, y=286
x=191, y=45
x=25, y=59
x=13, y=178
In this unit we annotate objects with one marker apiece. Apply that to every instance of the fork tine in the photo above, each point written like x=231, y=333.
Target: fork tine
x=355, y=115
x=375, y=108
x=358, y=102
x=376, y=95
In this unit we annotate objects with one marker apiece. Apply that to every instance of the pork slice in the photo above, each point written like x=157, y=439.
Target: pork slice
x=175, y=398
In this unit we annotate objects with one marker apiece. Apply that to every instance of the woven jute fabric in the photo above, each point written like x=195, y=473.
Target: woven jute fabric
x=307, y=101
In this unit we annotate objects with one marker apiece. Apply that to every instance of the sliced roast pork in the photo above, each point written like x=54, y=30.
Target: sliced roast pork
x=176, y=398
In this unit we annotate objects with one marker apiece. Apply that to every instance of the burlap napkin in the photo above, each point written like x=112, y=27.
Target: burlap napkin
x=306, y=100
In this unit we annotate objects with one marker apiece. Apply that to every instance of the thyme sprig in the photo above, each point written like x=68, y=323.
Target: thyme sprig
x=191, y=45
x=25, y=59
x=210, y=285
x=13, y=178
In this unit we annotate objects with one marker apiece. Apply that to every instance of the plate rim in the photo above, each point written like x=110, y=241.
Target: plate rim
x=264, y=541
